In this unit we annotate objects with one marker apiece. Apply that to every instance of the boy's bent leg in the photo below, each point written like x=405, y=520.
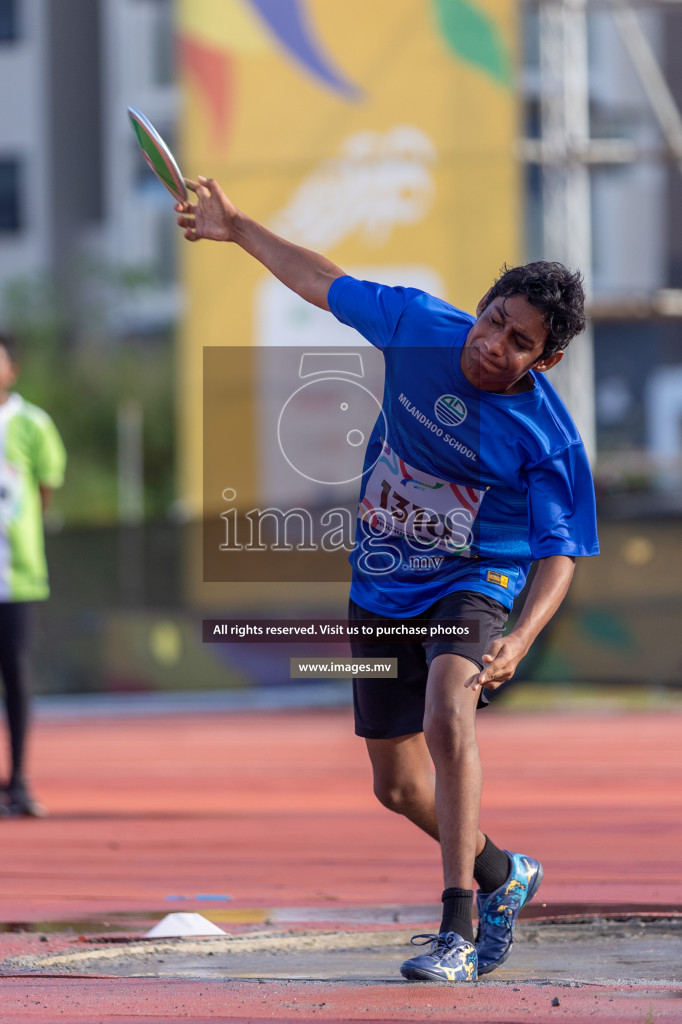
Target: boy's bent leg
x=450, y=732
x=403, y=779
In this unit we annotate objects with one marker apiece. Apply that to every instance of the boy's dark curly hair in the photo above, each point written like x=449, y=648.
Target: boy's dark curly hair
x=552, y=289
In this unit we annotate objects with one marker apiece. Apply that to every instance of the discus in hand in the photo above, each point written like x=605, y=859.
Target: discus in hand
x=158, y=155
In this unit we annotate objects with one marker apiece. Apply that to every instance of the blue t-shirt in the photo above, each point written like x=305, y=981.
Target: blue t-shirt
x=461, y=489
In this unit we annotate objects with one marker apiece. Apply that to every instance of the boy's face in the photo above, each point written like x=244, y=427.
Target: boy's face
x=9, y=371
x=506, y=341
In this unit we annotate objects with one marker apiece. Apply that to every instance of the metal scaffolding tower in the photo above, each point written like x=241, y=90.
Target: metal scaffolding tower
x=566, y=150
x=567, y=222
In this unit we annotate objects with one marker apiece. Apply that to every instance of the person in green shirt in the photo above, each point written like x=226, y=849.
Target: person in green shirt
x=32, y=463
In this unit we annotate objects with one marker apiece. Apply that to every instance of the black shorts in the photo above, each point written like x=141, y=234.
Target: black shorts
x=386, y=708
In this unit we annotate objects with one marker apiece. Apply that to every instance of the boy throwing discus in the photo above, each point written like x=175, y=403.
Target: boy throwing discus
x=474, y=471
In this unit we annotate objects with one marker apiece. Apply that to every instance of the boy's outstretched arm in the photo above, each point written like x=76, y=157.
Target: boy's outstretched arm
x=548, y=589
x=215, y=217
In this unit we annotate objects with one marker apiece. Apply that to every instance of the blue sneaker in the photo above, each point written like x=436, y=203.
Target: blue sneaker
x=451, y=958
x=498, y=910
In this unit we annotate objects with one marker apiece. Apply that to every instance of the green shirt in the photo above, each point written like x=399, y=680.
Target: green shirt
x=31, y=455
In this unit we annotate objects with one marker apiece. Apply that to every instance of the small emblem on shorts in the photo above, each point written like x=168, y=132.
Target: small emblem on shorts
x=497, y=577
x=450, y=410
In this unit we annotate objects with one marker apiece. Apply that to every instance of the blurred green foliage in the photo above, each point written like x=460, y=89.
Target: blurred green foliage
x=70, y=367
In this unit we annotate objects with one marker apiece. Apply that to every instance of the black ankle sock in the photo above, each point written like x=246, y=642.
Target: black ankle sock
x=457, y=913
x=491, y=867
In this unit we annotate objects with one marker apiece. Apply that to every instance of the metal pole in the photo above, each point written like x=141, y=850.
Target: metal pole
x=566, y=186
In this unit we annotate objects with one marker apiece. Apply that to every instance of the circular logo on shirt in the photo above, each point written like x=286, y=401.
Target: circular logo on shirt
x=450, y=410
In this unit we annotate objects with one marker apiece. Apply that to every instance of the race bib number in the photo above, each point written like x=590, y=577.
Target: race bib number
x=431, y=514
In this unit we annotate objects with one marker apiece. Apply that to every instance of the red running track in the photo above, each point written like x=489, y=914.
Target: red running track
x=276, y=810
